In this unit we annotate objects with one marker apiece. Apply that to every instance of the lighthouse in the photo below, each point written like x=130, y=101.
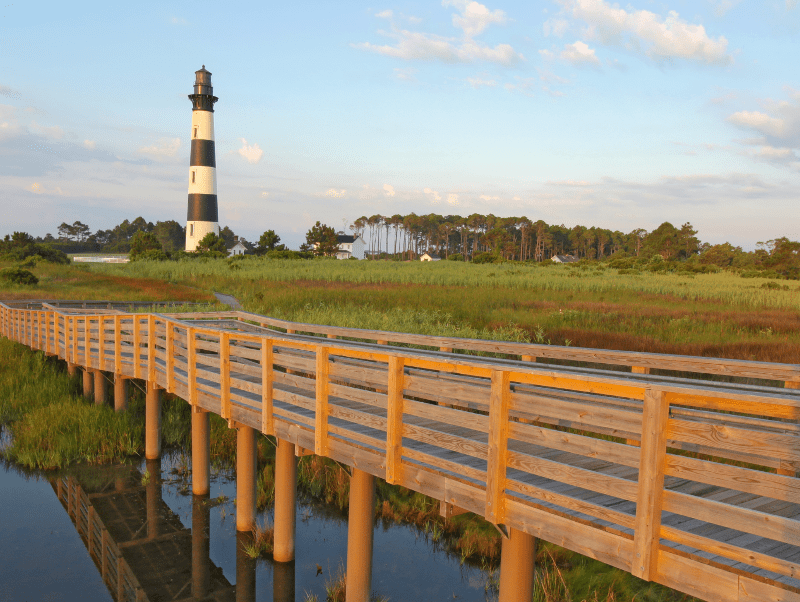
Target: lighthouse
x=202, y=215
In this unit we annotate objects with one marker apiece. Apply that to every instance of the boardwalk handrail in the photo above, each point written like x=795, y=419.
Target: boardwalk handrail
x=706, y=503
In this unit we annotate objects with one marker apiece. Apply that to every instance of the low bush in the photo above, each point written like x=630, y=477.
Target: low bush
x=19, y=276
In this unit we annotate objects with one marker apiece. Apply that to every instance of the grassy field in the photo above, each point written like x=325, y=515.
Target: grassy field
x=713, y=315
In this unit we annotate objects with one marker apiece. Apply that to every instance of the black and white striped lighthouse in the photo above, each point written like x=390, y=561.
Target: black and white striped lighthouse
x=202, y=216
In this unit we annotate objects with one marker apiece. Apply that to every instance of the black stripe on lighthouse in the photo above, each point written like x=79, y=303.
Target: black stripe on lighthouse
x=203, y=154
x=202, y=208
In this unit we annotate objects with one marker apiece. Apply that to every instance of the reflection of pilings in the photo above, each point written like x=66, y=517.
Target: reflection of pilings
x=283, y=582
x=360, y=528
x=201, y=545
x=152, y=420
x=153, y=490
x=201, y=445
x=517, y=559
x=285, y=501
x=245, y=569
x=245, y=478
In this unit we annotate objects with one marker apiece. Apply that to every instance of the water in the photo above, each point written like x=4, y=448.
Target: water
x=44, y=558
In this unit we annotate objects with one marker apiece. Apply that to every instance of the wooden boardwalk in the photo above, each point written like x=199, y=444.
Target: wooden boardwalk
x=686, y=477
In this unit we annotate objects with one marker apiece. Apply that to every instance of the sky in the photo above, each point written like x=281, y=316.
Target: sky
x=587, y=112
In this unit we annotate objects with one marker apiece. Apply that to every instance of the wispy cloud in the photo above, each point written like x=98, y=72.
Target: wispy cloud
x=579, y=54
x=335, y=194
x=646, y=33
x=251, y=153
x=54, y=132
x=472, y=18
x=388, y=190
x=166, y=147
x=434, y=196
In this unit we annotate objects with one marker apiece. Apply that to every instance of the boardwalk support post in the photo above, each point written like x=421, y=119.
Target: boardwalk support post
x=120, y=393
x=99, y=387
x=245, y=478
x=285, y=501
x=201, y=448
x=517, y=562
x=152, y=422
x=88, y=382
x=361, y=524
x=72, y=369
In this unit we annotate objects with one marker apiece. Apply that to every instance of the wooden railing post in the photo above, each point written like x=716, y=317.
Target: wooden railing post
x=74, y=334
x=790, y=471
x=151, y=348
x=117, y=345
x=191, y=366
x=499, y=402
x=394, y=419
x=649, y=499
x=137, y=346
x=267, y=358
x=170, y=347
x=321, y=414
x=101, y=343
x=225, y=375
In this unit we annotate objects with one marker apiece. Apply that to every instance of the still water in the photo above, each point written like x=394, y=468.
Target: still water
x=149, y=524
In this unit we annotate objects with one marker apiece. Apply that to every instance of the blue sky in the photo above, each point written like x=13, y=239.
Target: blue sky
x=572, y=111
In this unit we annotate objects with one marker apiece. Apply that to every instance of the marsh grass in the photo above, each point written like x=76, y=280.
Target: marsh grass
x=262, y=542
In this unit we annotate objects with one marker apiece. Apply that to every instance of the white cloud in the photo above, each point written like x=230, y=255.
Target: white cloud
x=452, y=199
x=477, y=82
x=37, y=188
x=90, y=144
x=406, y=74
x=434, y=196
x=579, y=54
x=472, y=19
x=166, y=147
x=778, y=126
x=761, y=122
x=264, y=194
x=486, y=197
x=385, y=14
x=252, y=154
x=388, y=190
x=723, y=6
x=335, y=194
x=53, y=132
x=178, y=21
x=556, y=27
x=516, y=198
x=647, y=33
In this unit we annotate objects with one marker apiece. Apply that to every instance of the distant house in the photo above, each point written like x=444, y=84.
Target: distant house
x=429, y=257
x=350, y=246
x=240, y=247
x=564, y=258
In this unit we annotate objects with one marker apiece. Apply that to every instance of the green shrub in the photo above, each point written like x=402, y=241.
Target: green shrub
x=19, y=276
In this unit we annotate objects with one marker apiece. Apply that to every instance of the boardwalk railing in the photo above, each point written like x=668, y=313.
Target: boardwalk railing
x=674, y=477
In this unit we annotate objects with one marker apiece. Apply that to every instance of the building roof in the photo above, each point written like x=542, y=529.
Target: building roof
x=240, y=241
x=564, y=258
x=340, y=238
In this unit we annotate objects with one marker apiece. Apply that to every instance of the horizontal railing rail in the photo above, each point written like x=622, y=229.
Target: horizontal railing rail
x=662, y=476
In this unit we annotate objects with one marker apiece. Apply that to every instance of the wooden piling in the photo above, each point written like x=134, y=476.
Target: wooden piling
x=361, y=524
x=517, y=559
x=245, y=478
x=201, y=446
x=285, y=501
x=152, y=419
x=88, y=383
x=99, y=387
x=120, y=393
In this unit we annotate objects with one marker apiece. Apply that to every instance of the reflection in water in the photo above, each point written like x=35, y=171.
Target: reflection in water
x=245, y=569
x=135, y=526
x=283, y=581
x=140, y=547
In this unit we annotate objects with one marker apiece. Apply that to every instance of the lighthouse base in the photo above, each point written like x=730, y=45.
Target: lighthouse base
x=195, y=231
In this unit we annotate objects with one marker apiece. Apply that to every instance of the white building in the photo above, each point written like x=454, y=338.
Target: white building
x=241, y=247
x=350, y=246
x=564, y=259
x=429, y=257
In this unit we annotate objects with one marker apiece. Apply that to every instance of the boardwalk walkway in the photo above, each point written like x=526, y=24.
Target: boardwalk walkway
x=679, y=470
